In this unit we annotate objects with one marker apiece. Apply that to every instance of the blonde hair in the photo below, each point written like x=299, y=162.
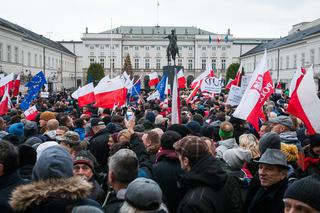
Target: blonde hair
x=251, y=143
x=126, y=133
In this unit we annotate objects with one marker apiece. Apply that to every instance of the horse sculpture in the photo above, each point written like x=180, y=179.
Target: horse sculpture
x=172, y=49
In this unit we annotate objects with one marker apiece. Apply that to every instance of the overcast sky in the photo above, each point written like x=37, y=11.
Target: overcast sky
x=67, y=19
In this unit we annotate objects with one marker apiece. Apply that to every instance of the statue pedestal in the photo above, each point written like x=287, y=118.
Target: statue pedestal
x=169, y=70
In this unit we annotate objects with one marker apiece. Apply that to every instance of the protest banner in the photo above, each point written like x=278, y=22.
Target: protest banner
x=234, y=96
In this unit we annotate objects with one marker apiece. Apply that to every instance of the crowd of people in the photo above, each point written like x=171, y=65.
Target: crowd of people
x=88, y=159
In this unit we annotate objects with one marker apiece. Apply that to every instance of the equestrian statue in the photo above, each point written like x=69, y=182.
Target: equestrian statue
x=172, y=49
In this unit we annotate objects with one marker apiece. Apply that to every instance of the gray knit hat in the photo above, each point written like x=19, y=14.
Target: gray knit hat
x=269, y=140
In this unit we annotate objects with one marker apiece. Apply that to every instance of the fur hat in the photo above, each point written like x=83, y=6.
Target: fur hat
x=47, y=116
x=291, y=151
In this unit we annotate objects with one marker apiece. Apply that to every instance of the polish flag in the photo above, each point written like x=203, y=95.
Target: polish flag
x=175, y=114
x=236, y=80
x=209, y=72
x=6, y=81
x=154, y=80
x=5, y=103
x=16, y=86
x=31, y=113
x=218, y=39
x=84, y=95
x=110, y=93
x=304, y=102
x=255, y=95
x=300, y=71
x=194, y=92
x=181, y=79
x=167, y=90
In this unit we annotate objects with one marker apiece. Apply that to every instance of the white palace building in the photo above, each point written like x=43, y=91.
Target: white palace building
x=147, y=49
x=65, y=63
x=301, y=47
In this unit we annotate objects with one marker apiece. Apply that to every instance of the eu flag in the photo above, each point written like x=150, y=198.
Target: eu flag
x=161, y=87
x=34, y=87
x=136, y=88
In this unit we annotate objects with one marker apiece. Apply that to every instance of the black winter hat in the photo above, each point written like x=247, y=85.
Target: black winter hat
x=306, y=190
x=269, y=140
x=27, y=155
x=169, y=138
x=180, y=128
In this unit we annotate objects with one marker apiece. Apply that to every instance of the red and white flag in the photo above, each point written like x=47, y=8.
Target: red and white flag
x=110, y=93
x=167, y=90
x=304, y=102
x=300, y=71
x=5, y=103
x=154, y=80
x=175, y=114
x=218, y=39
x=84, y=95
x=6, y=81
x=236, y=80
x=194, y=92
x=259, y=89
x=31, y=113
x=209, y=72
x=16, y=86
x=181, y=79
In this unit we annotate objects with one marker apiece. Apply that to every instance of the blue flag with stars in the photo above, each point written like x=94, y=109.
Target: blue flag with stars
x=161, y=87
x=34, y=87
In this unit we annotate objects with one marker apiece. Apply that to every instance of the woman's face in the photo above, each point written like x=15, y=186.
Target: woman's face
x=110, y=141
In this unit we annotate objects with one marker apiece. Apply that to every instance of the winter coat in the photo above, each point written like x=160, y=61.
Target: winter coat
x=97, y=193
x=98, y=146
x=224, y=145
x=209, y=189
x=166, y=172
x=7, y=184
x=268, y=200
x=52, y=195
x=290, y=138
x=114, y=201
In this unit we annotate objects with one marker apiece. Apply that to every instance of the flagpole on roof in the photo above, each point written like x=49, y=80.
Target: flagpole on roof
x=111, y=56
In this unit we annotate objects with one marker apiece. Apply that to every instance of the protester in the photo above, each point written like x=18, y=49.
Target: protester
x=227, y=139
x=273, y=170
x=123, y=168
x=206, y=184
x=151, y=142
x=9, y=176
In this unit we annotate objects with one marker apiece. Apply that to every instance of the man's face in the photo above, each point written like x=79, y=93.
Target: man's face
x=278, y=128
x=270, y=174
x=145, y=140
x=82, y=170
x=295, y=206
x=263, y=130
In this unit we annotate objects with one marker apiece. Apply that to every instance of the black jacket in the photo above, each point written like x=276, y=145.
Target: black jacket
x=209, y=189
x=268, y=200
x=52, y=196
x=7, y=185
x=97, y=193
x=166, y=172
x=113, y=203
x=98, y=146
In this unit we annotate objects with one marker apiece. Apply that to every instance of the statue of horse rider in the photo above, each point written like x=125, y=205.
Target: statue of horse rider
x=172, y=49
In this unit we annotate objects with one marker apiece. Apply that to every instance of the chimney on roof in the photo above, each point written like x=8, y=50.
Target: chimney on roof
x=228, y=31
x=86, y=30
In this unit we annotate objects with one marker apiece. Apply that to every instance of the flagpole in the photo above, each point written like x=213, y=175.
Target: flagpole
x=111, y=55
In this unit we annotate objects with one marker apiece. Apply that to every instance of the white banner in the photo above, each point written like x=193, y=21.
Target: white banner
x=245, y=82
x=212, y=85
x=234, y=96
x=44, y=94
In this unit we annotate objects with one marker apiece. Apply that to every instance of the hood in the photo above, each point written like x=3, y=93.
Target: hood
x=51, y=134
x=289, y=137
x=229, y=143
x=207, y=172
x=36, y=193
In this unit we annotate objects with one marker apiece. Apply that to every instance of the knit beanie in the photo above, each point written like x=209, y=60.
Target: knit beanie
x=269, y=140
x=194, y=127
x=47, y=116
x=27, y=155
x=150, y=117
x=291, y=151
x=168, y=139
x=306, y=190
x=54, y=162
x=224, y=134
x=17, y=129
x=180, y=128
